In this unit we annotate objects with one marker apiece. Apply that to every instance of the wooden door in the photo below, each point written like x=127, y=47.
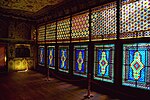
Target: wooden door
x=3, y=58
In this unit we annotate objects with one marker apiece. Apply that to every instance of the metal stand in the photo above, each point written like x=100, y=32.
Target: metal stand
x=89, y=95
x=48, y=78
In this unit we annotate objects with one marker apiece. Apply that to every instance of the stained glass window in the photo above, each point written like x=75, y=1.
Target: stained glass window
x=51, y=57
x=41, y=34
x=41, y=55
x=104, y=62
x=134, y=19
x=136, y=65
x=63, y=56
x=80, y=60
x=63, y=31
x=33, y=34
x=80, y=27
x=103, y=22
x=51, y=32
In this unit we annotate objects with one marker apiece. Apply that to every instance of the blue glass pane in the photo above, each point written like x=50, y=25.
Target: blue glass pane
x=41, y=57
x=104, y=62
x=80, y=60
x=51, y=57
x=64, y=58
x=136, y=65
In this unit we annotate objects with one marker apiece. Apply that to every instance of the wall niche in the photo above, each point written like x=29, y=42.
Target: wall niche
x=22, y=50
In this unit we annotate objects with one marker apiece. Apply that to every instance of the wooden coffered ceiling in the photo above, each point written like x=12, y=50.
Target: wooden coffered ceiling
x=38, y=9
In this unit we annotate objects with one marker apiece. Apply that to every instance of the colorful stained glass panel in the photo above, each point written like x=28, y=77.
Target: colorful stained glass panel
x=51, y=33
x=41, y=34
x=33, y=34
x=103, y=22
x=80, y=27
x=104, y=62
x=134, y=19
x=51, y=57
x=136, y=70
x=63, y=58
x=80, y=60
x=63, y=31
x=41, y=55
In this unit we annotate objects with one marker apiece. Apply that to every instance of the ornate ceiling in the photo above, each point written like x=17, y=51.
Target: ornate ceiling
x=42, y=10
x=28, y=5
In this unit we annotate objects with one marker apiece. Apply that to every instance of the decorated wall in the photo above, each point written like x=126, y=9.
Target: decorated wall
x=16, y=34
x=3, y=29
x=19, y=30
x=20, y=63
